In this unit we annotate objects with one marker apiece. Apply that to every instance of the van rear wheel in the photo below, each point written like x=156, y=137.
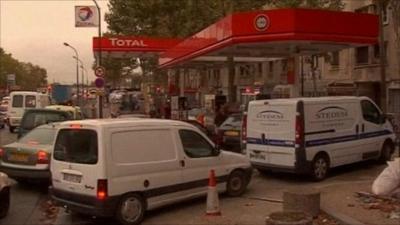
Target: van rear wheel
x=4, y=202
x=386, y=153
x=12, y=129
x=320, y=167
x=131, y=209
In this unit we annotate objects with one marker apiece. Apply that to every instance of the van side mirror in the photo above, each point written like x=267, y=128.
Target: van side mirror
x=383, y=118
x=217, y=150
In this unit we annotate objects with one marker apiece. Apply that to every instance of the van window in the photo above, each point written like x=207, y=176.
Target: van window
x=370, y=112
x=30, y=101
x=76, y=146
x=142, y=146
x=34, y=119
x=194, y=145
x=17, y=101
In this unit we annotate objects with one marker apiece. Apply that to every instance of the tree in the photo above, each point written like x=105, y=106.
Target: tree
x=394, y=6
x=28, y=76
x=312, y=4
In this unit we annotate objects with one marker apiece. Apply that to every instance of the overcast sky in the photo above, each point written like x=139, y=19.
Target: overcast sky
x=34, y=31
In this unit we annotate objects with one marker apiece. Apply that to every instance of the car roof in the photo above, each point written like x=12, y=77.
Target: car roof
x=62, y=107
x=126, y=122
x=48, y=125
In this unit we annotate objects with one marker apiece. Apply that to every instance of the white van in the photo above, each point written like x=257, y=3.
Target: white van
x=21, y=100
x=123, y=167
x=315, y=134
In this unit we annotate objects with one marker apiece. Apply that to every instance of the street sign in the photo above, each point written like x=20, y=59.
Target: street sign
x=99, y=82
x=99, y=71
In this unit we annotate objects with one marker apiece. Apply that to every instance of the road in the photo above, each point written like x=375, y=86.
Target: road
x=28, y=200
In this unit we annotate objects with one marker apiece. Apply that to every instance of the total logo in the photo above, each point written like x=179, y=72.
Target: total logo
x=127, y=43
x=261, y=22
x=85, y=13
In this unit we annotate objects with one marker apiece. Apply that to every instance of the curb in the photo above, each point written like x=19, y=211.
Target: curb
x=340, y=217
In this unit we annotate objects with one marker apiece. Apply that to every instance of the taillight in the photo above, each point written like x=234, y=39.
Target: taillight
x=42, y=157
x=1, y=153
x=299, y=136
x=102, y=189
x=244, y=128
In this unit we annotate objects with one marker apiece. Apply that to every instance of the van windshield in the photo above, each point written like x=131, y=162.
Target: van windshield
x=76, y=146
x=17, y=101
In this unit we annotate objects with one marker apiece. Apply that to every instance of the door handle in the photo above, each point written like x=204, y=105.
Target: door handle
x=363, y=128
x=182, y=162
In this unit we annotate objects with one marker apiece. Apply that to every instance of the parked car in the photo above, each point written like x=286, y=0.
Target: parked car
x=4, y=103
x=4, y=195
x=229, y=133
x=35, y=117
x=21, y=101
x=312, y=135
x=124, y=167
x=29, y=157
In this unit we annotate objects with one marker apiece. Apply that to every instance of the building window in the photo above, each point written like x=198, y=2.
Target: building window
x=385, y=15
x=362, y=55
x=377, y=50
x=271, y=66
x=334, y=58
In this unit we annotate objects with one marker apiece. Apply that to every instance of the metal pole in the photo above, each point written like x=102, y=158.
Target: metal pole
x=382, y=59
x=77, y=72
x=99, y=58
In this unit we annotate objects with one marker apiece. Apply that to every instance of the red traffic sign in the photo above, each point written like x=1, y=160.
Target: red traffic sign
x=99, y=82
x=99, y=71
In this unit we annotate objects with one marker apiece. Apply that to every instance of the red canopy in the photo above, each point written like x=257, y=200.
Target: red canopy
x=276, y=33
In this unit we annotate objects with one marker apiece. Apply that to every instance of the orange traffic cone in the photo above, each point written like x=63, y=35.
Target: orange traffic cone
x=212, y=196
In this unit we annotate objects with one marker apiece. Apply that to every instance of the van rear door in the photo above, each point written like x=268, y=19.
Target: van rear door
x=75, y=167
x=271, y=132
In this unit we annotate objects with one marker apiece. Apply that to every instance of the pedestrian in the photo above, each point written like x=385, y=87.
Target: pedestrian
x=221, y=116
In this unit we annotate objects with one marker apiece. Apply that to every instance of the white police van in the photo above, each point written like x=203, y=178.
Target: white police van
x=311, y=135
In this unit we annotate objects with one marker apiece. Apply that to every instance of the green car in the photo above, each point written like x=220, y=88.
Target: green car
x=29, y=157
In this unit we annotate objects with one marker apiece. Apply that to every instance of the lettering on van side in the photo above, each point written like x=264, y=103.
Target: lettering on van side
x=332, y=112
x=270, y=115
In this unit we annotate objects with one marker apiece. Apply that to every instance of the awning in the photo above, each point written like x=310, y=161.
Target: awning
x=131, y=46
x=276, y=33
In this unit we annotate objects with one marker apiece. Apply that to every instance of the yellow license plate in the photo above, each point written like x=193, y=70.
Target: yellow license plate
x=231, y=133
x=18, y=158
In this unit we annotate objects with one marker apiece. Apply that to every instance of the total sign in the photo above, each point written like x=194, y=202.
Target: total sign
x=86, y=16
x=127, y=42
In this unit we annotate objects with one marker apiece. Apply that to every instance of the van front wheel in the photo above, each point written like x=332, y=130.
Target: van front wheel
x=320, y=167
x=237, y=183
x=131, y=209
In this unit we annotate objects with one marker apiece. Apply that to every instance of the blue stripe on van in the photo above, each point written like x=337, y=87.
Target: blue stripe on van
x=317, y=142
x=271, y=142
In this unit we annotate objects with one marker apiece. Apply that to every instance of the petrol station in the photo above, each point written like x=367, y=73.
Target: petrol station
x=246, y=37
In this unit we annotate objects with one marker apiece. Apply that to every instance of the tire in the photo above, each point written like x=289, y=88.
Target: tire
x=320, y=167
x=386, y=153
x=237, y=183
x=12, y=129
x=4, y=202
x=131, y=203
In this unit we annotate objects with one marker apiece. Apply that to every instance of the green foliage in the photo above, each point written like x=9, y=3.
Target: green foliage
x=312, y=4
x=28, y=76
x=170, y=18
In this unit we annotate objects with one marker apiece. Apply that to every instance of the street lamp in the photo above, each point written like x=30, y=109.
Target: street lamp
x=99, y=57
x=77, y=71
x=82, y=77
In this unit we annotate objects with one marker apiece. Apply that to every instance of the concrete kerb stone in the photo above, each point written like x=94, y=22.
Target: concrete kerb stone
x=340, y=217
